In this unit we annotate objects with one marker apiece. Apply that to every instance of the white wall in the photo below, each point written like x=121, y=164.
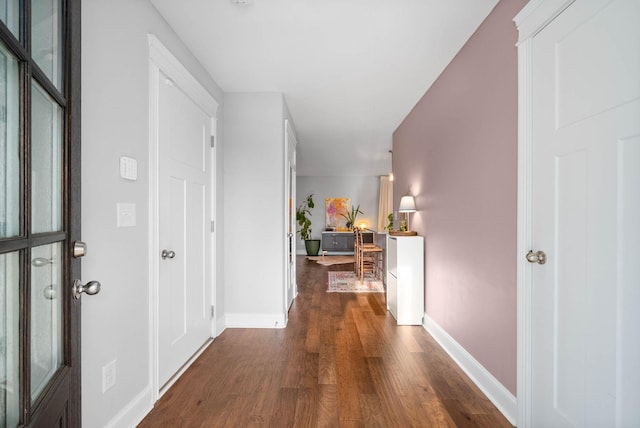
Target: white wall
x=254, y=208
x=363, y=191
x=115, y=323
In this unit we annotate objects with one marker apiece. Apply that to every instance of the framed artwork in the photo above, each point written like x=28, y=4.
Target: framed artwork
x=334, y=208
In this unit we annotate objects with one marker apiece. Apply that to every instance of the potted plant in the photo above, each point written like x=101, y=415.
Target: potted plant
x=389, y=226
x=303, y=212
x=352, y=216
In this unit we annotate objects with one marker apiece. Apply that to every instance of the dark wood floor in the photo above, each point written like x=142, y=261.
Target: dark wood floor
x=341, y=362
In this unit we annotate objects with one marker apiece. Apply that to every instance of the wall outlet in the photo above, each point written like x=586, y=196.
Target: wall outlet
x=108, y=376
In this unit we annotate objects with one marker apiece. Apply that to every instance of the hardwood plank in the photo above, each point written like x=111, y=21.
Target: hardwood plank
x=285, y=408
x=372, y=413
x=306, y=415
x=327, y=406
x=341, y=362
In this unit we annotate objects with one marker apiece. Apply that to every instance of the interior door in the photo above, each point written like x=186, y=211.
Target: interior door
x=184, y=132
x=290, y=188
x=39, y=213
x=585, y=343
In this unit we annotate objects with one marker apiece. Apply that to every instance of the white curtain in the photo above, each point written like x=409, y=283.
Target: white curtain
x=385, y=203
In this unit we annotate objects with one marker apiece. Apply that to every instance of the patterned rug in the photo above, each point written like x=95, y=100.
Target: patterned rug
x=331, y=260
x=347, y=282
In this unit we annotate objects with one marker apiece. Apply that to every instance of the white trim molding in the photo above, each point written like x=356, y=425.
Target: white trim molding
x=255, y=321
x=536, y=14
x=173, y=68
x=185, y=367
x=134, y=412
x=524, y=234
x=500, y=396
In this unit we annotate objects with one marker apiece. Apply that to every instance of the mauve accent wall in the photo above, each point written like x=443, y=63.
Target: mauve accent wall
x=456, y=152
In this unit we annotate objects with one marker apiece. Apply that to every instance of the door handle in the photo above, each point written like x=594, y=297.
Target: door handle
x=167, y=254
x=41, y=262
x=538, y=257
x=91, y=288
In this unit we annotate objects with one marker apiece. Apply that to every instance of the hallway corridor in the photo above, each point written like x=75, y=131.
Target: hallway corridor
x=341, y=362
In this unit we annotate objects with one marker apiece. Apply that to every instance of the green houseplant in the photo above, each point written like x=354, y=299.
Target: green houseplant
x=303, y=214
x=389, y=226
x=352, y=216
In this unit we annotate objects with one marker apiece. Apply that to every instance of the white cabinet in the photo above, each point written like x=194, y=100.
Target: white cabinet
x=405, y=279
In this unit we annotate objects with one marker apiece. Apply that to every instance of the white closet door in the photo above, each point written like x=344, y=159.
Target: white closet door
x=184, y=211
x=585, y=209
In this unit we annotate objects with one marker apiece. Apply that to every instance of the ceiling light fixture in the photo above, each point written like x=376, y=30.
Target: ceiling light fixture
x=242, y=3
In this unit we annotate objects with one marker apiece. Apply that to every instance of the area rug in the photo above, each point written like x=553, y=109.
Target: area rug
x=331, y=260
x=348, y=282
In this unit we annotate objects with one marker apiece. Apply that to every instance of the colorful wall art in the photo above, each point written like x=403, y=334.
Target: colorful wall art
x=335, y=207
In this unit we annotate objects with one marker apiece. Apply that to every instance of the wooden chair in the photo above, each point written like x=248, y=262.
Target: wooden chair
x=368, y=257
x=356, y=251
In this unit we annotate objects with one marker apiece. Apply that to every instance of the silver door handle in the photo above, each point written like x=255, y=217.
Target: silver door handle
x=538, y=257
x=41, y=261
x=91, y=288
x=167, y=254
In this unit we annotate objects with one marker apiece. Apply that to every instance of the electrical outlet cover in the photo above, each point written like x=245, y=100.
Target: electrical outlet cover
x=109, y=376
x=126, y=214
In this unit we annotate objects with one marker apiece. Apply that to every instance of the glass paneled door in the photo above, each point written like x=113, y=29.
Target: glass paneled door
x=39, y=212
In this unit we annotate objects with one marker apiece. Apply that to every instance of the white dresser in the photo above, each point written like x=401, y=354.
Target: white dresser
x=405, y=278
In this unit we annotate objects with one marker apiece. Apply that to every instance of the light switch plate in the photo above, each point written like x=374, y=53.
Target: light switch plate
x=126, y=214
x=128, y=168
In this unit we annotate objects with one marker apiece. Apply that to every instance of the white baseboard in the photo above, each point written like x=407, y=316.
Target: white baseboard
x=219, y=326
x=134, y=412
x=500, y=396
x=184, y=367
x=255, y=321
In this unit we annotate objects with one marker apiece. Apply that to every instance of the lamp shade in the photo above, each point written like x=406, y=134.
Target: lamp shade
x=407, y=205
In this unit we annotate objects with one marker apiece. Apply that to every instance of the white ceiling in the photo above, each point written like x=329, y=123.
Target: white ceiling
x=350, y=70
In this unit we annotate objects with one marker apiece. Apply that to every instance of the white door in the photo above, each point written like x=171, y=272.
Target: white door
x=184, y=292
x=290, y=228
x=585, y=214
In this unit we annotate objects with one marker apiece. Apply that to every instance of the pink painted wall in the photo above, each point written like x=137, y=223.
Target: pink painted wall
x=456, y=152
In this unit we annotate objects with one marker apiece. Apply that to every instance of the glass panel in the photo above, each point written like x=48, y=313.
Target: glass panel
x=9, y=340
x=9, y=146
x=46, y=315
x=46, y=37
x=46, y=162
x=10, y=14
